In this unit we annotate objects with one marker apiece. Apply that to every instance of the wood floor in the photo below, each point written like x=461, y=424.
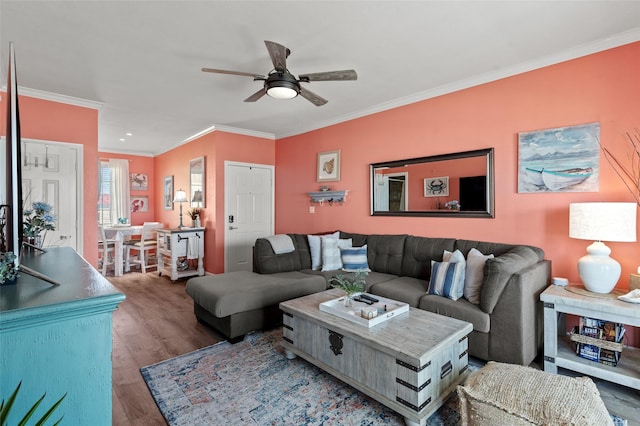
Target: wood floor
x=156, y=322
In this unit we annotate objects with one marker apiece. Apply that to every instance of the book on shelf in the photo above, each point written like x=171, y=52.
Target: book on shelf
x=601, y=330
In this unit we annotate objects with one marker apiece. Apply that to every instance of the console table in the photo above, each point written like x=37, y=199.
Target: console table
x=58, y=339
x=173, y=244
x=558, y=351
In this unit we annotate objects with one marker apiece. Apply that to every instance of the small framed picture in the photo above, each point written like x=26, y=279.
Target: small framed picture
x=168, y=193
x=436, y=186
x=139, y=182
x=329, y=166
x=139, y=204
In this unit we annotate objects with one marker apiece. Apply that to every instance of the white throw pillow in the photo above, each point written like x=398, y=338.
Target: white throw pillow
x=331, y=259
x=456, y=256
x=474, y=275
x=315, y=248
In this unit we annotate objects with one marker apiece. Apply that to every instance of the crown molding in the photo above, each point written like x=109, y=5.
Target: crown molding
x=55, y=97
x=221, y=128
x=245, y=132
x=126, y=152
x=616, y=40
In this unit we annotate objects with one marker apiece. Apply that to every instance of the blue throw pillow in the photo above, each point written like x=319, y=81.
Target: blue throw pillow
x=447, y=279
x=354, y=259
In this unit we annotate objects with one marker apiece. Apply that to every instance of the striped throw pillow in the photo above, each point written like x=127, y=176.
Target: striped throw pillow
x=354, y=259
x=447, y=279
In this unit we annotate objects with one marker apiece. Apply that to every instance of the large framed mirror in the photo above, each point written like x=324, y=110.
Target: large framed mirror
x=460, y=184
x=196, y=179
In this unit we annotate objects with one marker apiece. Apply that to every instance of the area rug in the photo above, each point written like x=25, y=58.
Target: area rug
x=253, y=383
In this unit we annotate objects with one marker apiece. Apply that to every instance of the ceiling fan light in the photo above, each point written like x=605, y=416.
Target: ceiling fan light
x=282, y=92
x=282, y=88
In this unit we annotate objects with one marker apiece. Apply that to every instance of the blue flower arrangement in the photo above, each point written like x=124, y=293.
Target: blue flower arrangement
x=38, y=220
x=8, y=270
x=452, y=205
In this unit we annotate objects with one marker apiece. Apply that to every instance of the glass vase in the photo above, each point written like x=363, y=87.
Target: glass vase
x=348, y=301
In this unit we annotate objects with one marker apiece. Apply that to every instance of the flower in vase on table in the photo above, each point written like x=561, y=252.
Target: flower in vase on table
x=452, y=205
x=37, y=221
x=194, y=214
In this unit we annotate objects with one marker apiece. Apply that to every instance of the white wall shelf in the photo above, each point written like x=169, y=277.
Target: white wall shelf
x=328, y=196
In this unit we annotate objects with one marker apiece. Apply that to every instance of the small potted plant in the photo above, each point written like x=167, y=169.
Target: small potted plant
x=452, y=205
x=8, y=270
x=194, y=214
x=350, y=284
x=37, y=221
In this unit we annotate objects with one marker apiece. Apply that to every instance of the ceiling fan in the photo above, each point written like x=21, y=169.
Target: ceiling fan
x=281, y=84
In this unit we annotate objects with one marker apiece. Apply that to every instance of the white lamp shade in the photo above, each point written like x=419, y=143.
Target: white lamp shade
x=181, y=197
x=601, y=222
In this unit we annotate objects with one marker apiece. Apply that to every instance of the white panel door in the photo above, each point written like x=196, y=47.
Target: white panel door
x=49, y=174
x=249, y=193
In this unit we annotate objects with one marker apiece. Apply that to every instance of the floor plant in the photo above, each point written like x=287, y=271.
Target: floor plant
x=5, y=410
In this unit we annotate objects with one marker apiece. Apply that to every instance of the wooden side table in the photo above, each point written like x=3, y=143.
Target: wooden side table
x=172, y=245
x=558, y=351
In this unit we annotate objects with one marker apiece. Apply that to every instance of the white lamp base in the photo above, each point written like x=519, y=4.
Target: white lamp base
x=599, y=273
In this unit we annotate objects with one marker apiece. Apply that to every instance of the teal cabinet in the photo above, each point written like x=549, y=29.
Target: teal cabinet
x=58, y=339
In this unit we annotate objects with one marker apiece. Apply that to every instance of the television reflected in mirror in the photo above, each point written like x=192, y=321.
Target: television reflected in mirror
x=449, y=185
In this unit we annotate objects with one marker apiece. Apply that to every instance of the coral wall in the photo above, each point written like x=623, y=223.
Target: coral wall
x=602, y=87
x=217, y=147
x=53, y=121
x=144, y=165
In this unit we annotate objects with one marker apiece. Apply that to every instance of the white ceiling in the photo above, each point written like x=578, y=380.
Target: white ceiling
x=140, y=61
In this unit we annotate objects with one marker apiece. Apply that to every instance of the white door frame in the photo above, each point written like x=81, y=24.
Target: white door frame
x=79, y=151
x=228, y=164
x=405, y=187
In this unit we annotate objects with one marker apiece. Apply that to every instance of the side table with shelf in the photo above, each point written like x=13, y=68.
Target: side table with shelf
x=558, y=351
x=173, y=244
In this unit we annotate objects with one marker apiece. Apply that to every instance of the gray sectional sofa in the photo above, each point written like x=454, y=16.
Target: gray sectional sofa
x=507, y=322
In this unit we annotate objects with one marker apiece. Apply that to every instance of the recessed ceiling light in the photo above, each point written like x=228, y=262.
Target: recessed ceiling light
x=129, y=134
x=121, y=139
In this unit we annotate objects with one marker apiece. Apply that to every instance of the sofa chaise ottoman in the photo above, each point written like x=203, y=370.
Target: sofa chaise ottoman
x=238, y=302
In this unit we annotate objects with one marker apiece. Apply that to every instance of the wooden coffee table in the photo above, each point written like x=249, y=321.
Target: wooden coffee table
x=409, y=363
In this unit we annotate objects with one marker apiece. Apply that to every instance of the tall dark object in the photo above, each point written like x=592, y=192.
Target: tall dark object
x=13, y=166
x=473, y=193
x=14, y=172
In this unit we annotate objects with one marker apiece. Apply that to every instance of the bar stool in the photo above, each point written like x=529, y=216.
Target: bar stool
x=107, y=251
x=148, y=242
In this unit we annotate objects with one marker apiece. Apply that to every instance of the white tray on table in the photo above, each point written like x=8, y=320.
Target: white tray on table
x=387, y=309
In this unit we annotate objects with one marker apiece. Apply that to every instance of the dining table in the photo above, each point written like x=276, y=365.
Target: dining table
x=118, y=234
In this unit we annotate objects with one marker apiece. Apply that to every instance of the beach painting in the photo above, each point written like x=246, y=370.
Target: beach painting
x=565, y=159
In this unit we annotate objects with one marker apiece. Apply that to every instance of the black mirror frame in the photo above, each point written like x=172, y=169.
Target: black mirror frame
x=489, y=213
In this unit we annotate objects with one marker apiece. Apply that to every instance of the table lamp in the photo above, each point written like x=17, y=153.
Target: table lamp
x=601, y=222
x=181, y=197
x=197, y=198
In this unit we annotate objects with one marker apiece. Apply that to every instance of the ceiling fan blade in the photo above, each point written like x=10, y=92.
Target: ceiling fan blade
x=278, y=54
x=330, y=76
x=312, y=97
x=247, y=74
x=260, y=93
